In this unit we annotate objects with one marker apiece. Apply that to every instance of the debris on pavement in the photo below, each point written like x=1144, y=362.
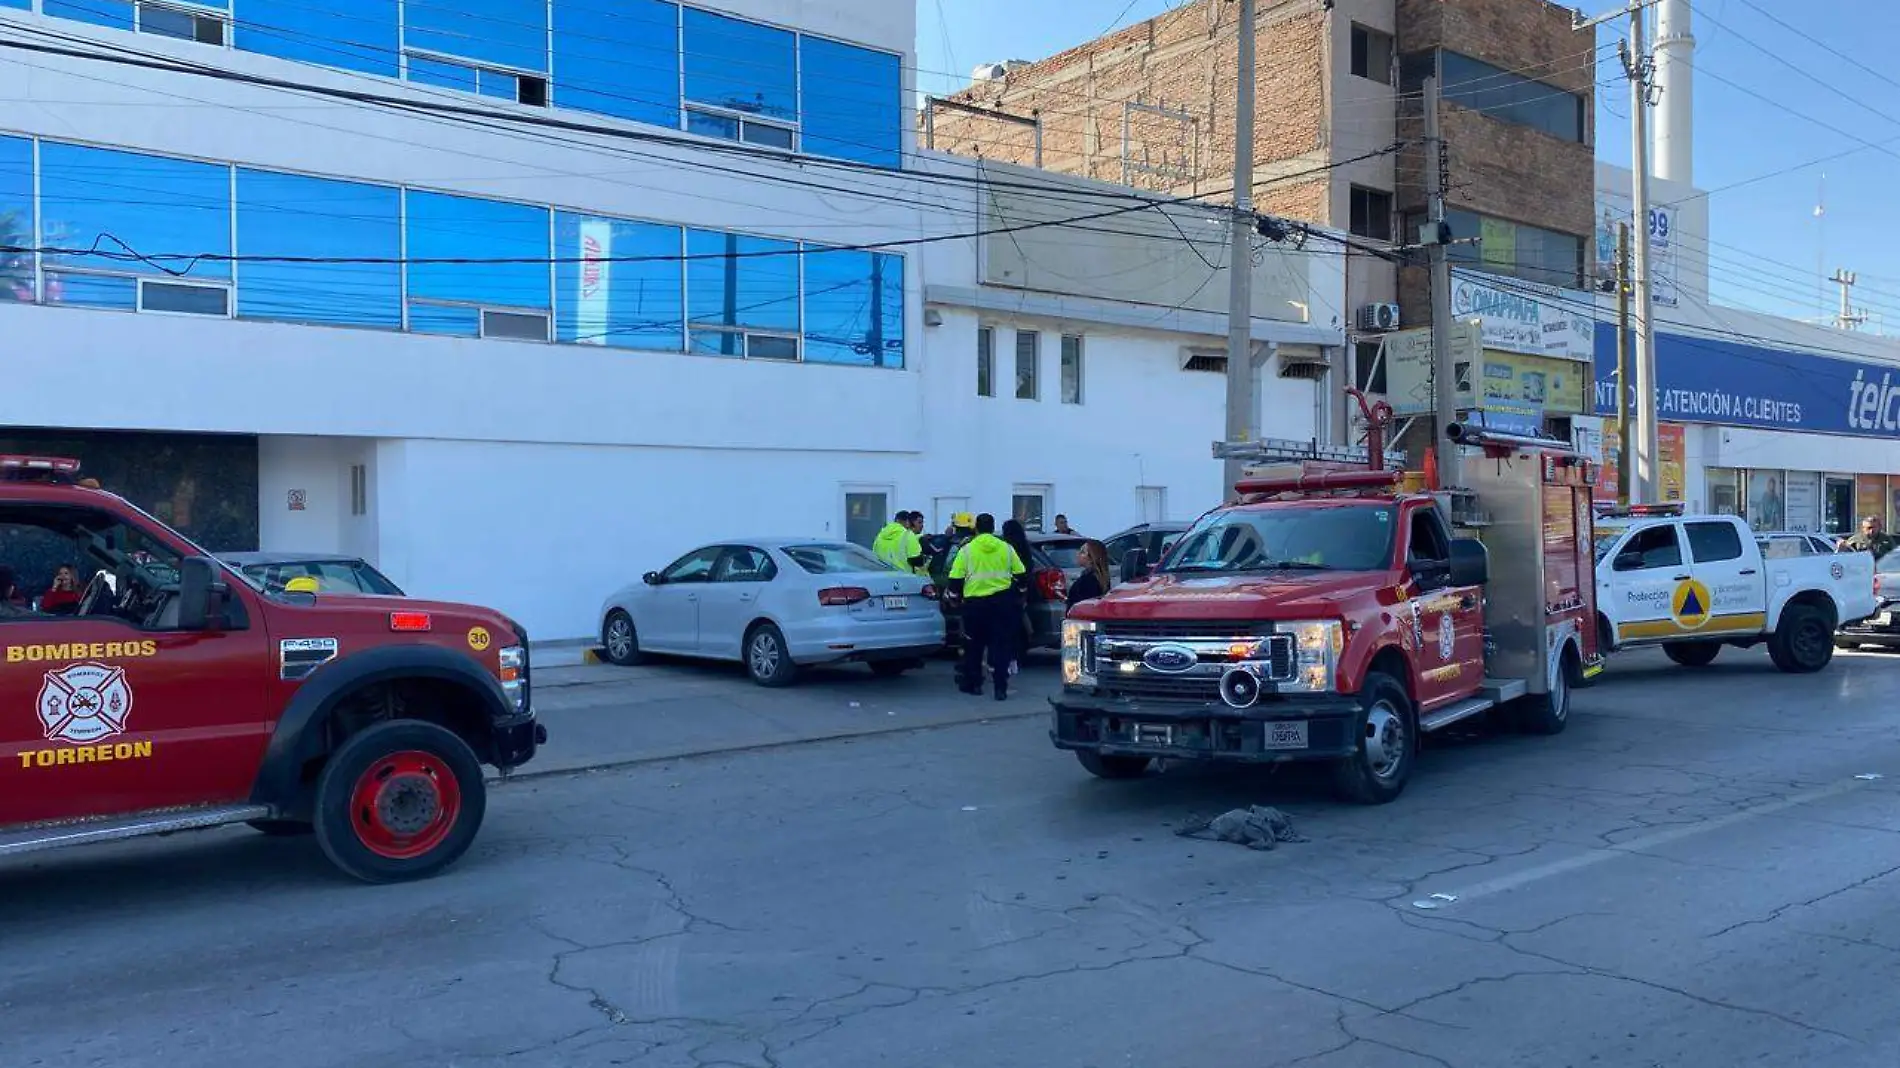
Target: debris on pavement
x=1433, y=901
x=1256, y=827
x=1869, y=777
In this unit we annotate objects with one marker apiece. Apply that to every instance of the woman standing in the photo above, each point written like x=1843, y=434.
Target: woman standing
x=1094, y=580
x=1026, y=591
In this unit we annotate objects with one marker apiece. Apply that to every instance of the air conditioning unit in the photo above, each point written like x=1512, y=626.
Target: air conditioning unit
x=1380, y=316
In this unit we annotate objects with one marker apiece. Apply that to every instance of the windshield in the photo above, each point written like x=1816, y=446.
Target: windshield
x=834, y=559
x=331, y=576
x=1348, y=538
x=1606, y=537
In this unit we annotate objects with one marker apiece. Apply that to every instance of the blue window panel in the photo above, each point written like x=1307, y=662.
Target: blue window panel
x=360, y=35
x=128, y=205
x=92, y=291
x=16, y=219
x=714, y=343
x=740, y=65
x=854, y=308
x=444, y=227
x=499, y=84
x=708, y=125
x=114, y=13
x=618, y=283
x=854, y=102
x=747, y=281
x=446, y=75
x=283, y=216
x=507, y=33
x=24, y=5
x=445, y=319
x=623, y=62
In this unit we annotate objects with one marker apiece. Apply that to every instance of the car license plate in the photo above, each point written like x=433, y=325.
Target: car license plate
x=1286, y=735
x=897, y=604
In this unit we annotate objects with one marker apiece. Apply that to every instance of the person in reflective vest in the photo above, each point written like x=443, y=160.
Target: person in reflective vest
x=889, y=543
x=984, y=574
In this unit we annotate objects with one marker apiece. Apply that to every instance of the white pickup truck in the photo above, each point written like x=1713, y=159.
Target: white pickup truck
x=1693, y=584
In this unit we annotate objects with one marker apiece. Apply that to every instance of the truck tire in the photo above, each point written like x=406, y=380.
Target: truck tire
x=401, y=800
x=1388, y=744
x=1103, y=766
x=1693, y=654
x=620, y=641
x=1549, y=713
x=767, y=659
x=1804, y=642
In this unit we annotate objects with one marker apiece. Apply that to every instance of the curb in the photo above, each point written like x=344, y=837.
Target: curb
x=531, y=773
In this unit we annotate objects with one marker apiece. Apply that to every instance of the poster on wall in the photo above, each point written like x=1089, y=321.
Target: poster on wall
x=1802, y=500
x=1870, y=497
x=1663, y=245
x=1673, y=444
x=1893, y=507
x=1767, y=506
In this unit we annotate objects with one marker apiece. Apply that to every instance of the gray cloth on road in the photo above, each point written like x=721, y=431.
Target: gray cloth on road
x=1256, y=827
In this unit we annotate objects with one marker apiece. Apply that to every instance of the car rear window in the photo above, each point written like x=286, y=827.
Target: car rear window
x=834, y=559
x=1064, y=554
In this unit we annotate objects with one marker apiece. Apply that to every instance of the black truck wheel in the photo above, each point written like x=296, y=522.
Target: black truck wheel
x=1804, y=641
x=1549, y=713
x=1103, y=766
x=401, y=800
x=1388, y=744
x=1693, y=654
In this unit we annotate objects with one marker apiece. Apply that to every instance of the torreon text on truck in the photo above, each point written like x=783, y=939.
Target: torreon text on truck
x=1338, y=615
x=164, y=692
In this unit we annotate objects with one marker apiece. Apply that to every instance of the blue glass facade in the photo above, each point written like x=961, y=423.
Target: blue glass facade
x=651, y=61
x=131, y=231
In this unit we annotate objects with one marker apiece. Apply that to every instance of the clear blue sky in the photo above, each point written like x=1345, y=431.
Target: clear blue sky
x=1765, y=238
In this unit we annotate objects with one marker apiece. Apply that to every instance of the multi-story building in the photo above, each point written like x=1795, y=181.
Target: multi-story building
x=1339, y=137
x=520, y=300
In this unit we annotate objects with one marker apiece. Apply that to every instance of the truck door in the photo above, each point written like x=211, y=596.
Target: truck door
x=105, y=708
x=1726, y=575
x=1447, y=622
x=1643, y=576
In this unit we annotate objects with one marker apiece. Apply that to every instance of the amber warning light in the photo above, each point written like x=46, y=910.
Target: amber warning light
x=409, y=621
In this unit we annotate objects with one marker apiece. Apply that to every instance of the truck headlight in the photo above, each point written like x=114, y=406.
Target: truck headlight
x=1078, y=652
x=1316, y=648
x=514, y=675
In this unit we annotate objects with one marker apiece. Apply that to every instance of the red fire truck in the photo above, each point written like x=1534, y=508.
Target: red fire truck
x=1339, y=616
x=172, y=695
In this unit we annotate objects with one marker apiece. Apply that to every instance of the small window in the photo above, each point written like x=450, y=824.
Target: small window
x=1651, y=548
x=182, y=299
x=1371, y=54
x=985, y=362
x=1711, y=543
x=1371, y=213
x=1028, y=505
x=1028, y=350
x=1368, y=368
x=1071, y=369
x=182, y=23
x=531, y=90
x=359, y=489
x=515, y=326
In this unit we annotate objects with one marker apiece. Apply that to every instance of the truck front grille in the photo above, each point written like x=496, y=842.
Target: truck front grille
x=1122, y=669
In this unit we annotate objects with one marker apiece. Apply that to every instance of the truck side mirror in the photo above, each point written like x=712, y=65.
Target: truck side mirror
x=1470, y=563
x=1134, y=565
x=201, y=594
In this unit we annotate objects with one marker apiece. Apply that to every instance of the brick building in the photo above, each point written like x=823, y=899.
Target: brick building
x=1338, y=136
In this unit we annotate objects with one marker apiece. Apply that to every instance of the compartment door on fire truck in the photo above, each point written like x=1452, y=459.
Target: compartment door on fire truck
x=1447, y=622
x=1643, y=580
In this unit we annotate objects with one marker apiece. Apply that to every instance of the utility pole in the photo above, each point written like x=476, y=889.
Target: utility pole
x=1623, y=466
x=1240, y=387
x=1444, y=360
x=1644, y=443
x=1847, y=319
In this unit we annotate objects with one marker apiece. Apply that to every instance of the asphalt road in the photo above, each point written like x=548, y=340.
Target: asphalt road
x=1694, y=874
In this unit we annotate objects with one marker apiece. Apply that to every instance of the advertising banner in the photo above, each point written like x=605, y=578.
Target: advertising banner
x=1671, y=440
x=591, y=304
x=1870, y=497
x=1408, y=367
x=1708, y=380
x=1531, y=384
x=1525, y=317
x=1663, y=245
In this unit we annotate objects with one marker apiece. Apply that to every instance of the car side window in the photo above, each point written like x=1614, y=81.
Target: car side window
x=1427, y=551
x=1655, y=547
x=1117, y=547
x=695, y=566
x=744, y=563
x=1714, y=542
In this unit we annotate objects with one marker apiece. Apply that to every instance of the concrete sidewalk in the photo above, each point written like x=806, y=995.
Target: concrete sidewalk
x=601, y=716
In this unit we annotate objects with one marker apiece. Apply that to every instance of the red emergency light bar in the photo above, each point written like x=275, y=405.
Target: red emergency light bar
x=38, y=468
x=1639, y=511
x=1320, y=482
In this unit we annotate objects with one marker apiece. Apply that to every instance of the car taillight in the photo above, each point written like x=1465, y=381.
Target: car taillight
x=930, y=592
x=843, y=595
x=1051, y=584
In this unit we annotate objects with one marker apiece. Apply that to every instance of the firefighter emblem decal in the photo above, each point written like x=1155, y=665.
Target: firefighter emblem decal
x=1447, y=637
x=84, y=703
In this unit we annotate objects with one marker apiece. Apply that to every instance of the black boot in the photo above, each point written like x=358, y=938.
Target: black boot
x=1002, y=691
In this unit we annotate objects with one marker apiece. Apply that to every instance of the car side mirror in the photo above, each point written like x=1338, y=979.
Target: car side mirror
x=202, y=595
x=1134, y=565
x=652, y=578
x=1470, y=562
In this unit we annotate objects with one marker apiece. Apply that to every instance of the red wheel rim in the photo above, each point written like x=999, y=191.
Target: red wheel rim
x=405, y=804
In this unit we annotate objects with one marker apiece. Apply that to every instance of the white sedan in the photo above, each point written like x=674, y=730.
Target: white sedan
x=775, y=605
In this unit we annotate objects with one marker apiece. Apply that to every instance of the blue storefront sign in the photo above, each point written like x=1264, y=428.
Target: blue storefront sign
x=1728, y=383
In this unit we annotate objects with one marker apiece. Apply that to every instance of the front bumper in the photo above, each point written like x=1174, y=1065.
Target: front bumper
x=1208, y=731
x=515, y=739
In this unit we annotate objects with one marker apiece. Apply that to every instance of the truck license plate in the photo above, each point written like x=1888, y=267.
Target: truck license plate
x=1154, y=734
x=897, y=604
x=1286, y=735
